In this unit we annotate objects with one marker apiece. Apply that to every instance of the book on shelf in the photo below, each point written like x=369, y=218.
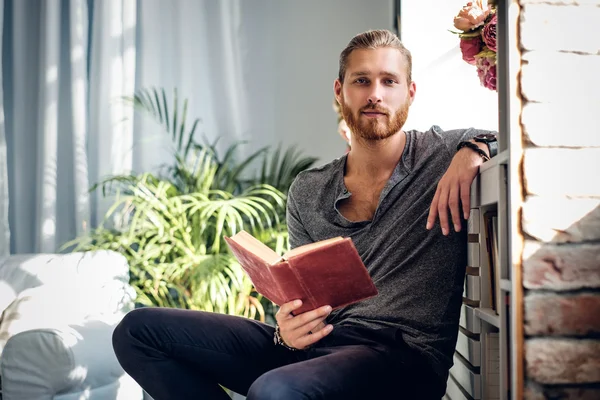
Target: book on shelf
x=490, y=223
x=328, y=272
x=496, y=258
x=472, y=271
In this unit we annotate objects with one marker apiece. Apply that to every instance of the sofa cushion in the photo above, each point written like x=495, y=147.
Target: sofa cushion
x=41, y=363
x=104, y=270
x=94, y=268
x=50, y=307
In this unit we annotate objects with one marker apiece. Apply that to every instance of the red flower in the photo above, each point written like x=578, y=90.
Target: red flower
x=470, y=47
x=489, y=33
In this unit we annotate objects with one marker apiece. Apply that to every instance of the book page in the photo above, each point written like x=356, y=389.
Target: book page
x=311, y=246
x=254, y=245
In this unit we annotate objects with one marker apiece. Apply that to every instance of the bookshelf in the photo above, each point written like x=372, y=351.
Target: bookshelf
x=481, y=363
x=489, y=351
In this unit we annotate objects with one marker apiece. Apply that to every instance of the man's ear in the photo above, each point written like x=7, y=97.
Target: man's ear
x=337, y=90
x=412, y=91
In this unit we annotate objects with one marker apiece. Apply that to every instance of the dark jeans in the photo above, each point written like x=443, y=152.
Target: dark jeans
x=182, y=354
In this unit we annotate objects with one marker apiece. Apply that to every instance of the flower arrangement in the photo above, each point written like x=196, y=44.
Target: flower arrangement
x=477, y=24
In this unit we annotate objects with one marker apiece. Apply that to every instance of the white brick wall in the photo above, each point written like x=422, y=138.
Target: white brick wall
x=560, y=218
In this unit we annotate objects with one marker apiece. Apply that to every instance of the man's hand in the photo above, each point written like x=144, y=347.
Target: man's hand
x=305, y=329
x=455, y=188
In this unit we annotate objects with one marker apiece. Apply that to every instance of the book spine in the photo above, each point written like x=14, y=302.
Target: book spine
x=309, y=303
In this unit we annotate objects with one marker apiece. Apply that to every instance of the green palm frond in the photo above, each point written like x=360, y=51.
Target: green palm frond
x=170, y=225
x=280, y=171
x=154, y=102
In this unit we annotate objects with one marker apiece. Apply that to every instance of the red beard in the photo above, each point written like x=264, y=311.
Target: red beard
x=374, y=128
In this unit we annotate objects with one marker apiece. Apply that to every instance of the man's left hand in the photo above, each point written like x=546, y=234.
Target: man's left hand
x=454, y=189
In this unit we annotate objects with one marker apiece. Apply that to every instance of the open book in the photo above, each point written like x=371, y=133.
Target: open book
x=329, y=272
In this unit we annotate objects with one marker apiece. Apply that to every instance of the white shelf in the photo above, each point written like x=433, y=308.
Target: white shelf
x=500, y=159
x=505, y=285
x=488, y=315
x=485, y=190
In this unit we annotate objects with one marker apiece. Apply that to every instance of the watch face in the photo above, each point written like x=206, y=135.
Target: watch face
x=485, y=137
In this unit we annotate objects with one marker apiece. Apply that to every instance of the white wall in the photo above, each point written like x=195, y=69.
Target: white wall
x=448, y=90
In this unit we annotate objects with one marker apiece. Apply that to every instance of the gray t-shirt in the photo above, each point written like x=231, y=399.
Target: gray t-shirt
x=419, y=273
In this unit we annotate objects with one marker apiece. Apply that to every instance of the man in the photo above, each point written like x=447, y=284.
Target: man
x=386, y=194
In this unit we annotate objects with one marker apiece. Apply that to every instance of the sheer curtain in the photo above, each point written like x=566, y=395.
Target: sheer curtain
x=61, y=119
x=4, y=230
x=67, y=64
x=199, y=48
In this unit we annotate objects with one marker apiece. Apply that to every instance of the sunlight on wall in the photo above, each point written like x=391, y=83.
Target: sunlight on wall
x=569, y=219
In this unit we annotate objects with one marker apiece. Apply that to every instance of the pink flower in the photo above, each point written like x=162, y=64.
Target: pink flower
x=489, y=33
x=486, y=70
x=470, y=47
x=489, y=80
x=471, y=16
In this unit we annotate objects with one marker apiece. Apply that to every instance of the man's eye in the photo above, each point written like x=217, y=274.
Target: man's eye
x=390, y=81
x=361, y=81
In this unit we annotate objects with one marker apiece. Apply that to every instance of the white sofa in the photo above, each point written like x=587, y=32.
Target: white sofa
x=58, y=314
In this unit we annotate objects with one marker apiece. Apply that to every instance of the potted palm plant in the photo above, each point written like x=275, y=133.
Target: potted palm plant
x=170, y=225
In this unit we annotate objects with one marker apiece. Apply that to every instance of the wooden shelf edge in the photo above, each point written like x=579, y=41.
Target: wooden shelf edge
x=488, y=315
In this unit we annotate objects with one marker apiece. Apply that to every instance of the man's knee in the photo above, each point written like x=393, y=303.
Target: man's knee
x=125, y=334
x=277, y=385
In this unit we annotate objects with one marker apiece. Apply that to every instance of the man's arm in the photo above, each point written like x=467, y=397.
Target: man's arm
x=455, y=186
x=297, y=233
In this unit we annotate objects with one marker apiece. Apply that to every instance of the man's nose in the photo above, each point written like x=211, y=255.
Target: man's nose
x=376, y=94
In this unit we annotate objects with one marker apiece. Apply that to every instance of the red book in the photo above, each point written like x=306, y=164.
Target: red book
x=329, y=272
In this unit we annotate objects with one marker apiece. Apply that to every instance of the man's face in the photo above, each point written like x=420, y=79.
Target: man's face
x=375, y=95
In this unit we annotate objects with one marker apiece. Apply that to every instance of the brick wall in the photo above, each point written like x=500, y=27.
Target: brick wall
x=560, y=220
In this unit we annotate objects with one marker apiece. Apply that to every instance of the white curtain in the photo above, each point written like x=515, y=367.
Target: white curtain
x=61, y=117
x=70, y=64
x=4, y=229
x=196, y=47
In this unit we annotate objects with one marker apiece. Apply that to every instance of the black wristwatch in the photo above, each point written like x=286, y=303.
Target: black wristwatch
x=490, y=140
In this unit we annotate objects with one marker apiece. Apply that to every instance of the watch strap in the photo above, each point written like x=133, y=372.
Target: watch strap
x=475, y=148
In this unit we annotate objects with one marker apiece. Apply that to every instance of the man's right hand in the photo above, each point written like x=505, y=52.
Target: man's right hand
x=302, y=330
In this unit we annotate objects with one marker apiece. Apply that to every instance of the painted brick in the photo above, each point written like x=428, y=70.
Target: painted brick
x=561, y=267
x=559, y=172
x=545, y=124
x=552, y=314
x=548, y=27
x=539, y=392
x=553, y=77
x=563, y=361
x=561, y=220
